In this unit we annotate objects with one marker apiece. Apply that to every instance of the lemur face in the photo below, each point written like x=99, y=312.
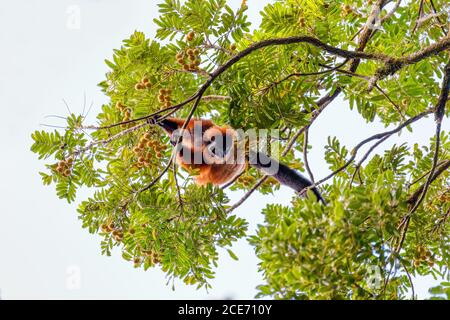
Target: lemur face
x=218, y=145
x=201, y=142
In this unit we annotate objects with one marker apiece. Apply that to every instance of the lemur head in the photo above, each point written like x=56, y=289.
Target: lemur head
x=201, y=142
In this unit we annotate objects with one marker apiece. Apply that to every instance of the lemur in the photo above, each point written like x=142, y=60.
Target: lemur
x=211, y=151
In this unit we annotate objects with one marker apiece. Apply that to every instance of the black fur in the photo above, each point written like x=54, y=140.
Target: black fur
x=283, y=173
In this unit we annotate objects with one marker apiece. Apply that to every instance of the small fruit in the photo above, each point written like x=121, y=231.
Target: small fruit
x=190, y=36
x=190, y=52
x=301, y=21
x=233, y=47
x=179, y=56
x=196, y=52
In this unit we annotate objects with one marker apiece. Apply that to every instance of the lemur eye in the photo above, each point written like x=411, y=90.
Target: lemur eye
x=212, y=139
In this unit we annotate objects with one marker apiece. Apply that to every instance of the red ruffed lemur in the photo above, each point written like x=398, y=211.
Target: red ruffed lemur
x=213, y=152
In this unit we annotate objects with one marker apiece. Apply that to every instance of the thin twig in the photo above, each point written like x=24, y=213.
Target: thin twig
x=391, y=13
x=366, y=155
x=175, y=178
x=441, y=24
x=305, y=155
x=413, y=294
x=371, y=138
x=419, y=15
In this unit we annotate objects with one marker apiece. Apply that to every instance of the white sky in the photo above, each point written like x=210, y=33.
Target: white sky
x=42, y=61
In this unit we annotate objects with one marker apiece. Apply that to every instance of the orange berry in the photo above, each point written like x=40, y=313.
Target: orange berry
x=190, y=36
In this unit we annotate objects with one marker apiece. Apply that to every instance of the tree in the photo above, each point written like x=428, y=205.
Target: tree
x=386, y=217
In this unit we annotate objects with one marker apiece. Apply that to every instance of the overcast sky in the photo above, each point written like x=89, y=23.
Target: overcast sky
x=46, y=58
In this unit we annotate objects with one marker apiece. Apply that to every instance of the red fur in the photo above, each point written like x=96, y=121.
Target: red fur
x=217, y=174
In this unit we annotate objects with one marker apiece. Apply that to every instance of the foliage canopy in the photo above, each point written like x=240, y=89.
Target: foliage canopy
x=386, y=217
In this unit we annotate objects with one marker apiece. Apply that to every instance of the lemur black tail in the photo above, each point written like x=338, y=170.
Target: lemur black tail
x=285, y=175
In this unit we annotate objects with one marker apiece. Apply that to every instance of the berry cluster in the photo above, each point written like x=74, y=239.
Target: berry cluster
x=193, y=59
x=64, y=167
x=144, y=84
x=423, y=255
x=246, y=180
x=153, y=257
x=346, y=10
x=164, y=97
x=301, y=21
x=270, y=182
x=145, y=148
x=125, y=112
x=110, y=228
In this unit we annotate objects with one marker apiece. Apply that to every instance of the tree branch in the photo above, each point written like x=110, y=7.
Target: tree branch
x=371, y=138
